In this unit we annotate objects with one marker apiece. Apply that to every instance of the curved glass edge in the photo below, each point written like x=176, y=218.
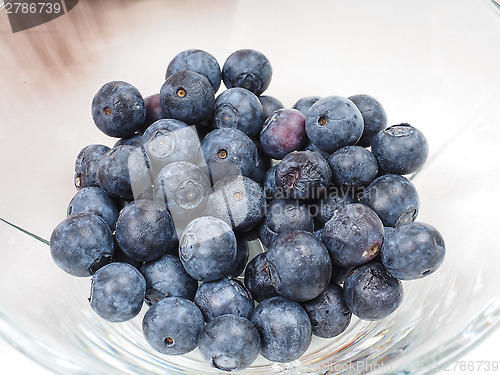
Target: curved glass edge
x=484, y=324
x=24, y=342
x=478, y=329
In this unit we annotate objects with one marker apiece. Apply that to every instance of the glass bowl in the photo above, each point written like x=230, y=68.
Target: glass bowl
x=432, y=64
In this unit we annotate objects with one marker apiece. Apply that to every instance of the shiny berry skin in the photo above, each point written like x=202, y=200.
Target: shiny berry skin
x=117, y=292
x=239, y=109
x=371, y=293
x=284, y=328
x=328, y=312
x=334, y=122
x=154, y=112
x=95, y=201
x=249, y=69
x=284, y=215
x=374, y=117
x=393, y=198
x=353, y=167
x=303, y=104
x=144, y=230
x=125, y=172
x=258, y=279
x=188, y=97
x=207, y=248
x=229, y=152
x=182, y=187
x=300, y=265
x=353, y=235
x=224, y=296
x=239, y=201
x=283, y=133
x=413, y=251
x=118, y=109
x=168, y=140
x=172, y=325
x=165, y=277
x=400, y=149
x=197, y=61
x=87, y=165
x=229, y=343
x=270, y=104
x=81, y=244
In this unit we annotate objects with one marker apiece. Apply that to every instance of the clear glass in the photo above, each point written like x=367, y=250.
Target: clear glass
x=433, y=64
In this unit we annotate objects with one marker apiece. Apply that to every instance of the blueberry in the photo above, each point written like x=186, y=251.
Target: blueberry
x=270, y=104
x=81, y=244
x=284, y=215
x=353, y=235
x=283, y=133
x=125, y=172
x=229, y=343
x=317, y=234
x=168, y=140
x=312, y=147
x=120, y=256
x=207, y=248
x=303, y=104
x=264, y=162
x=95, y=201
x=117, y=292
x=242, y=253
x=371, y=293
x=166, y=277
x=339, y=273
x=284, y=328
x=335, y=198
x=374, y=117
x=239, y=201
x=353, y=167
x=229, y=152
x=223, y=296
x=394, y=199
x=239, y=109
x=300, y=265
x=172, y=325
x=197, y=61
x=328, y=312
x=400, y=149
x=303, y=175
x=146, y=194
x=154, y=112
x=334, y=122
x=269, y=183
x=187, y=96
x=248, y=69
x=413, y=251
x=118, y=109
x=182, y=187
x=388, y=231
x=122, y=202
x=135, y=141
x=258, y=279
x=144, y=230
x=87, y=165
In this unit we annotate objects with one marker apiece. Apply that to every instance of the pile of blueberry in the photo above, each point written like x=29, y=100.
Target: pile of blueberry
x=166, y=215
